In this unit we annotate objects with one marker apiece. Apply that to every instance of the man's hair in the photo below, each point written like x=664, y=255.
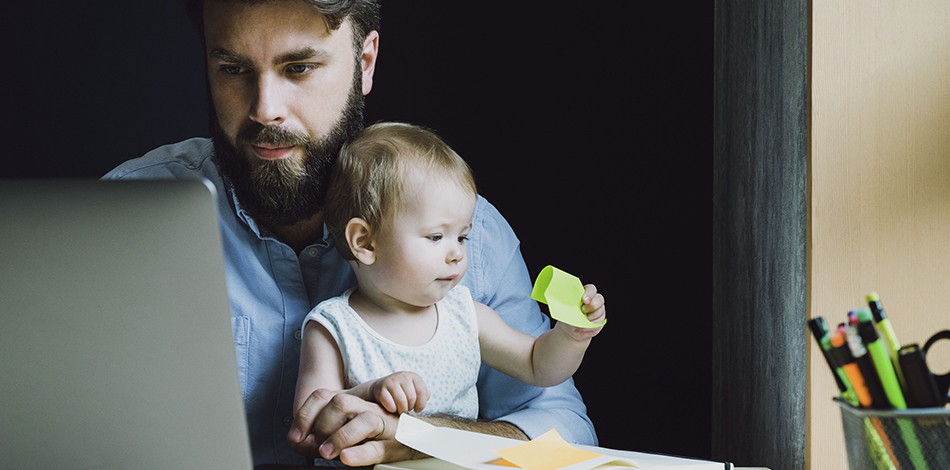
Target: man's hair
x=363, y=15
x=368, y=180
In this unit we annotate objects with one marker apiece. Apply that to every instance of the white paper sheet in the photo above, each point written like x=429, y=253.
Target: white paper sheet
x=456, y=449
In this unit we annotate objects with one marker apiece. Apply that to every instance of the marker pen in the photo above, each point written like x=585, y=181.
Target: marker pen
x=867, y=335
x=820, y=330
x=866, y=366
x=880, y=358
x=887, y=331
x=842, y=356
x=907, y=445
x=847, y=393
x=922, y=391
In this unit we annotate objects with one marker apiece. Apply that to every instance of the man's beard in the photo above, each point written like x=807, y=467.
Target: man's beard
x=286, y=191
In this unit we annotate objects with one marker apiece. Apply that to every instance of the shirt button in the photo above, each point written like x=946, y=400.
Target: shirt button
x=297, y=334
x=288, y=420
x=313, y=252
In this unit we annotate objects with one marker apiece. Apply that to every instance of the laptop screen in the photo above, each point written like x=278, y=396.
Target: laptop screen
x=116, y=340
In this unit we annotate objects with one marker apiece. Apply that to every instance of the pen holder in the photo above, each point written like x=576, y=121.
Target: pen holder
x=915, y=438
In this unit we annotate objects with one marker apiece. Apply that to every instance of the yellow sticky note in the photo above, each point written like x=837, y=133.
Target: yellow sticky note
x=546, y=452
x=564, y=295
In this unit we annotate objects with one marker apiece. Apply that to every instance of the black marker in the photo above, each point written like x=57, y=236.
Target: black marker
x=819, y=328
x=921, y=386
x=871, y=379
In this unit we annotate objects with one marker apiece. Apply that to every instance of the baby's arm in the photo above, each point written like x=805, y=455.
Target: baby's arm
x=321, y=366
x=321, y=363
x=398, y=393
x=546, y=361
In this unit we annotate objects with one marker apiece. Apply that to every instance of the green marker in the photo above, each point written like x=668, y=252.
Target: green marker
x=881, y=359
x=893, y=347
x=877, y=449
x=887, y=331
x=885, y=369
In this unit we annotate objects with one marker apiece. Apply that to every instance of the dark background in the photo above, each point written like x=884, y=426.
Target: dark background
x=589, y=127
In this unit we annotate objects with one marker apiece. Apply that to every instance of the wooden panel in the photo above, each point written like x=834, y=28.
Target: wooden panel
x=759, y=214
x=880, y=179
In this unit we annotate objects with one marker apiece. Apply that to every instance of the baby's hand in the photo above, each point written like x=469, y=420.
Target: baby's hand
x=595, y=310
x=401, y=392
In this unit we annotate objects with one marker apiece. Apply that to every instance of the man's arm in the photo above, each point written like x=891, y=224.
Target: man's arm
x=333, y=424
x=496, y=428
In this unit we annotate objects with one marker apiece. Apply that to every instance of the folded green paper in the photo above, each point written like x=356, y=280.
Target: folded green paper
x=564, y=295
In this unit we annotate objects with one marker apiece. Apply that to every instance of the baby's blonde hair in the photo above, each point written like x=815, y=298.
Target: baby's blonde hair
x=368, y=180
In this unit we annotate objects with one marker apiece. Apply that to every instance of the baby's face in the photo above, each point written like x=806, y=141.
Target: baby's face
x=421, y=252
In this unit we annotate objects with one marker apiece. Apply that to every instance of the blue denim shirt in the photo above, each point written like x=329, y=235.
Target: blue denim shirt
x=271, y=289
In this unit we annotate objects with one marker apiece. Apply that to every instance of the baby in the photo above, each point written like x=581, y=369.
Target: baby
x=409, y=337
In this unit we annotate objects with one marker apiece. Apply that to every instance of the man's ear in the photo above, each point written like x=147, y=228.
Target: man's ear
x=368, y=60
x=359, y=237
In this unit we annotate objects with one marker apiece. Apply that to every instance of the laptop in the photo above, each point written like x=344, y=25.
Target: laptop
x=116, y=348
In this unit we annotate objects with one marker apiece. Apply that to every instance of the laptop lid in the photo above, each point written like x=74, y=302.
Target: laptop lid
x=116, y=348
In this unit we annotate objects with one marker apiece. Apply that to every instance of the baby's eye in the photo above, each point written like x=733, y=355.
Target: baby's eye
x=463, y=238
x=434, y=238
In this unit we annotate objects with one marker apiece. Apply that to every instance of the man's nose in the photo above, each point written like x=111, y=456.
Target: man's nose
x=269, y=105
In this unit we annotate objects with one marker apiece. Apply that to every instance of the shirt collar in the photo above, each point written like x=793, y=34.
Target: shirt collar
x=262, y=233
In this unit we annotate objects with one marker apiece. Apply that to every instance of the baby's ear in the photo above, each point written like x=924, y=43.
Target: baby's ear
x=359, y=237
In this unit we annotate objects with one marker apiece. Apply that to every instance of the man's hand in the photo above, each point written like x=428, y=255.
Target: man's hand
x=330, y=424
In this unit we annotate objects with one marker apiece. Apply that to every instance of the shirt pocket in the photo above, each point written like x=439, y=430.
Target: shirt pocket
x=241, y=327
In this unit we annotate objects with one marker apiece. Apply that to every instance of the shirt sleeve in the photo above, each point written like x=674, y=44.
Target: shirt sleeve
x=187, y=159
x=499, y=278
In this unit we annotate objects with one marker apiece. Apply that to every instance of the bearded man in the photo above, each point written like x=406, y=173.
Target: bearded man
x=287, y=80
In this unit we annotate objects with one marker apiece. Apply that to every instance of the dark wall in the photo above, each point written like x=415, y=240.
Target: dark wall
x=87, y=85
x=589, y=128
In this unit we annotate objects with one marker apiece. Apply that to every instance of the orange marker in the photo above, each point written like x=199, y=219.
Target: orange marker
x=843, y=356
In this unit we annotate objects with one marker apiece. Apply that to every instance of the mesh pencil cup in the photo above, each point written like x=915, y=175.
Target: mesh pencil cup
x=915, y=438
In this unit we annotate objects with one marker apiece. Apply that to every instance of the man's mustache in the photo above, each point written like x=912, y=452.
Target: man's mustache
x=271, y=135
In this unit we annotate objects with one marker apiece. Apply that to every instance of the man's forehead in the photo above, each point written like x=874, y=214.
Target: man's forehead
x=276, y=27
x=274, y=16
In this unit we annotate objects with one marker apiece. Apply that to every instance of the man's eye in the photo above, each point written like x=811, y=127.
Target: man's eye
x=300, y=68
x=231, y=69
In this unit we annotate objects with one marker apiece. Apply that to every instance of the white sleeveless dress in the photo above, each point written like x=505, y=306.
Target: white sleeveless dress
x=448, y=363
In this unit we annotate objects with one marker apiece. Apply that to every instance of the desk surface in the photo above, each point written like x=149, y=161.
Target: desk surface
x=298, y=467
x=293, y=467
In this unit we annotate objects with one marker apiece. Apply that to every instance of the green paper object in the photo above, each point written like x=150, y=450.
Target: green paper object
x=564, y=295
